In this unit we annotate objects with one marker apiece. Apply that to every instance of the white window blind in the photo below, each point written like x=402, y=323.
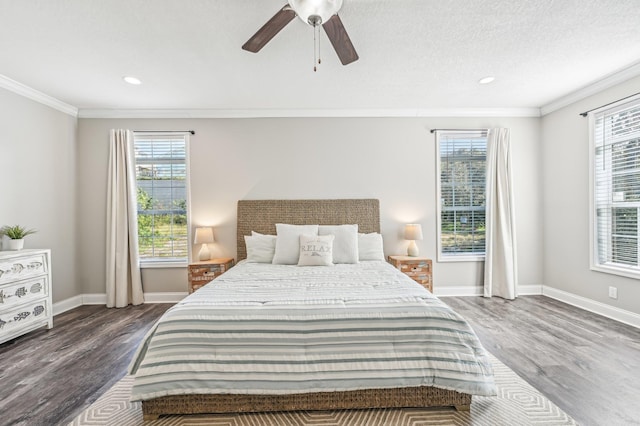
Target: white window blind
x=162, y=188
x=616, y=188
x=462, y=159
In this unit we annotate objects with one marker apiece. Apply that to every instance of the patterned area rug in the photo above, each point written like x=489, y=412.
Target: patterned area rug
x=517, y=403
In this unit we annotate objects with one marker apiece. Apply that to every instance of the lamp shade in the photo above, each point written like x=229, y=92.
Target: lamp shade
x=413, y=231
x=204, y=236
x=324, y=9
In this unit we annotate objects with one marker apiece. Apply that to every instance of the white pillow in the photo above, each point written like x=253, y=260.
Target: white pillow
x=345, y=246
x=370, y=247
x=260, y=248
x=254, y=233
x=316, y=250
x=288, y=242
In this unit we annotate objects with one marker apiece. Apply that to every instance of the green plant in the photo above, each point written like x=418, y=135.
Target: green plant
x=16, y=232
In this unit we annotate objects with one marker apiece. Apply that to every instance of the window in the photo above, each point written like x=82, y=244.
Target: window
x=162, y=194
x=615, y=181
x=462, y=158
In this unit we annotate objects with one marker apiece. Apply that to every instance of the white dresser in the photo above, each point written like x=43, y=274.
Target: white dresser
x=25, y=292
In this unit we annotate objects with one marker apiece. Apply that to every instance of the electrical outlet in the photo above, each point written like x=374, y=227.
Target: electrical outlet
x=613, y=292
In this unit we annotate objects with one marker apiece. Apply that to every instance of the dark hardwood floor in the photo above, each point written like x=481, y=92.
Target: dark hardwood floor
x=586, y=364
x=48, y=377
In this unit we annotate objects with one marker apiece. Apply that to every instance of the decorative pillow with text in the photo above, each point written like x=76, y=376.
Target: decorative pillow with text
x=316, y=250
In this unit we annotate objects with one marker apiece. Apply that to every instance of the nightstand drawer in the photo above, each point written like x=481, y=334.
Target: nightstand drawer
x=418, y=269
x=419, y=276
x=206, y=273
x=415, y=267
x=202, y=273
x=197, y=285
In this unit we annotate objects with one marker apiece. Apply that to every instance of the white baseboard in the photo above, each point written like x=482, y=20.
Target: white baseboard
x=101, y=299
x=67, y=304
x=168, y=297
x=621, y=315
x=469, y=290
x=94, y=299
x=529, y=290
x=523, y=290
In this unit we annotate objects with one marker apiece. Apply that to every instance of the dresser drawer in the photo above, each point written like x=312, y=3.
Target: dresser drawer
x=23, y=316
x=18, y=268
x=18, y=292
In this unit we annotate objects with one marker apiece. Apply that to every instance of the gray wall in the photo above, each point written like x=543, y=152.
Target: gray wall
x=38, y=180
x=565, y=185
x=55, y=182
x=392, y=159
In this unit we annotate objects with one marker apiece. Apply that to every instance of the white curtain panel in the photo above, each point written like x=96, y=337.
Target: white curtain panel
x=124, y=283
x=500, y=268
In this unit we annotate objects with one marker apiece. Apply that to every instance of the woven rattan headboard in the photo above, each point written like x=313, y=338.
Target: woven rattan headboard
x=262, y=215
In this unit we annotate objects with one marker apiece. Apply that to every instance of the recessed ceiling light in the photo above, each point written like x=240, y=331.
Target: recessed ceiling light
x=486, y=80
x=132, y=80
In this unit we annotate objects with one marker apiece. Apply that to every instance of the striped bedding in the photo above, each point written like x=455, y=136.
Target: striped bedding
x=276, y=329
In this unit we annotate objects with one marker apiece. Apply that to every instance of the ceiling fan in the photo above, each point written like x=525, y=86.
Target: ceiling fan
x=314, y=13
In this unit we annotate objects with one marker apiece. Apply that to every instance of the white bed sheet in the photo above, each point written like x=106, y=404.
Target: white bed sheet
x=280, y=329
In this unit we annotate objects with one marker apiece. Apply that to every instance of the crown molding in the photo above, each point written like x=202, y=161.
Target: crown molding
x=35, y=95
x=593, y=88
x=305, y=113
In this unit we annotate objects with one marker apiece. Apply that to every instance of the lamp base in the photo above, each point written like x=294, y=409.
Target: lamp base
x=204, y=253
x=412, y=250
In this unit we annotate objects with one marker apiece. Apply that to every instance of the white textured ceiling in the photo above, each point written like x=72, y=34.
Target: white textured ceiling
x=413, y=53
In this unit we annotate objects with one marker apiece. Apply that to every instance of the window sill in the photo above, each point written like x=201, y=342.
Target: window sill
x=163, y=265
x=453, y=258
x=615, y=270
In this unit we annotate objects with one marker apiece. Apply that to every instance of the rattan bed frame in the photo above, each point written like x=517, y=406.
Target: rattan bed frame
x=261, y=216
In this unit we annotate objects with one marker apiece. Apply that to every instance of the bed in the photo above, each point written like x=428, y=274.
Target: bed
x=267, y=337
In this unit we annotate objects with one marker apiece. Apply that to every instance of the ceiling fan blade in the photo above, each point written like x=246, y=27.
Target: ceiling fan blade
x=340, y=40
x=270, y=29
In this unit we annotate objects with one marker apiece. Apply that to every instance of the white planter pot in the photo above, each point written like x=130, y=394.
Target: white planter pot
x=14, y=244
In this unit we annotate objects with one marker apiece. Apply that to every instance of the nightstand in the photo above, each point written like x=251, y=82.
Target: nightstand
x=418, y=268
x=201, y=273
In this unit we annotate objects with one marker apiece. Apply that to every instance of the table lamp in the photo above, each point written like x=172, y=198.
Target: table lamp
x=412, y=232
x=204, y=236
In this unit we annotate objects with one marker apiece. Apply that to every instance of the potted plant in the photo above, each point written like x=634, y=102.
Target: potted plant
x=16, y=236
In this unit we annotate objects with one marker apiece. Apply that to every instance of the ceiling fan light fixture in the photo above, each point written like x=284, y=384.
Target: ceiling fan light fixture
x=310, y=10
x=316, y=13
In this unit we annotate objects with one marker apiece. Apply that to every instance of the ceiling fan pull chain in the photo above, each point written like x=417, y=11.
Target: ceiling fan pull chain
x=319, y=37
x=315, y=52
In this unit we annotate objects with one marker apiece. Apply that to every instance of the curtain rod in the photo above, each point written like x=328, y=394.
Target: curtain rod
x=458, y=130
x=165, y=131
x=584, y=114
